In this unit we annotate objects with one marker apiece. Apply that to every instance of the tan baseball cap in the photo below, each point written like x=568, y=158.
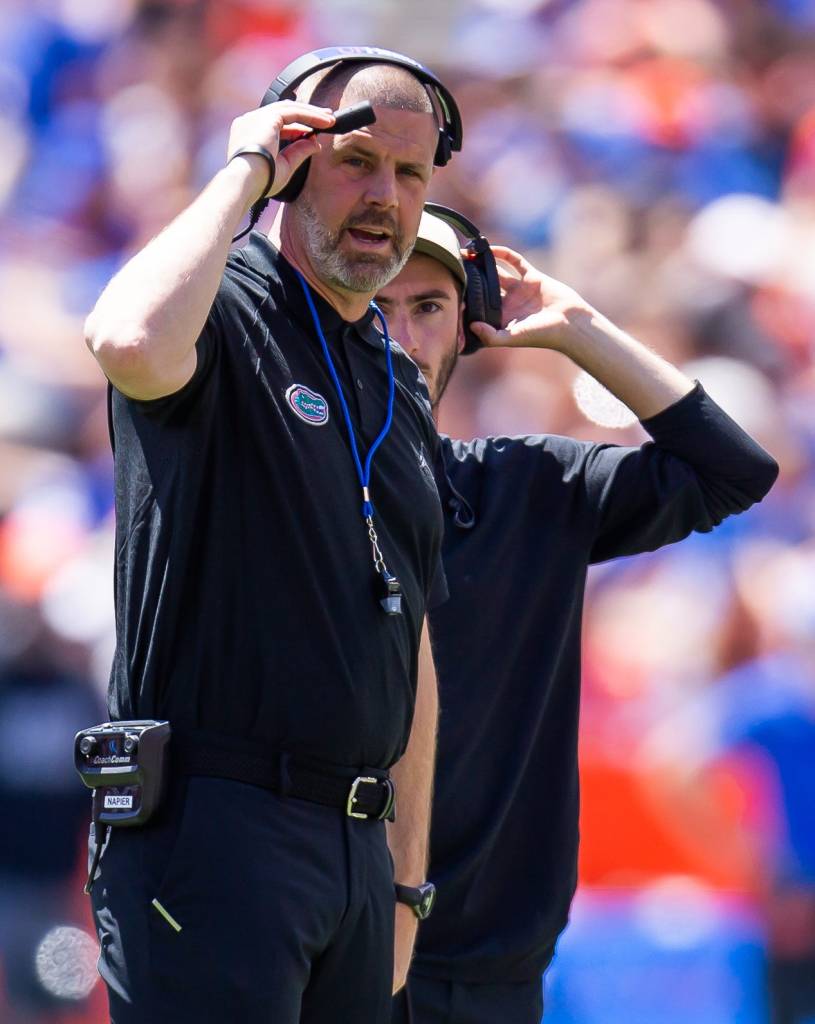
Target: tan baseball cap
x=439, y=241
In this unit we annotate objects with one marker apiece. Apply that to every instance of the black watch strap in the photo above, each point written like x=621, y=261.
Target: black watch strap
x=419, y=898
x=257, y=150
x=259, y=205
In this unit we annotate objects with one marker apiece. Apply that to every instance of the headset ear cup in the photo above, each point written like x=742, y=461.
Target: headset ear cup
x=491, y=283
x=294, y=186
x=474, y=305
x=444, y=150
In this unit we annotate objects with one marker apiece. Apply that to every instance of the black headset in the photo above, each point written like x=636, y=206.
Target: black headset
x=285, y=85
x=482, y=296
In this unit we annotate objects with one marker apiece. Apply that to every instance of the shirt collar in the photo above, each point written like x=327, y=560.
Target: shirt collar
x=266, y=258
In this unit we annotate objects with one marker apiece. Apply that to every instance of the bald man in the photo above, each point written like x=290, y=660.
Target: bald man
x=254, y=613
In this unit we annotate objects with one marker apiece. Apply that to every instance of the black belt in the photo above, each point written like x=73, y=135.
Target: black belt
x=361, y=796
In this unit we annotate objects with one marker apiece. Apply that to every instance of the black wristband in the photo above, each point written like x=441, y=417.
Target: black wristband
x=267, y=156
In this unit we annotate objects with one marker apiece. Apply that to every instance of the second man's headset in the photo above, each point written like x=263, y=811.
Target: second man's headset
x=284, y=87
x=482, y=296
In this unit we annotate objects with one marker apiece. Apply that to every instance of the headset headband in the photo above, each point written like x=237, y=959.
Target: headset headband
x=284, y=86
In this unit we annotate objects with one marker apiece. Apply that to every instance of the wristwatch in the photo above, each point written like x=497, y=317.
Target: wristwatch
x=419, y=898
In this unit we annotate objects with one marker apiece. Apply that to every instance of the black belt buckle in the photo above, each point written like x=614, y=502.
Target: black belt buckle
x=387, y=810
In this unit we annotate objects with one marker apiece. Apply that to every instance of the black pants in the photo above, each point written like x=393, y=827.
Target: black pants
x=432, y=1001
x=285, y=910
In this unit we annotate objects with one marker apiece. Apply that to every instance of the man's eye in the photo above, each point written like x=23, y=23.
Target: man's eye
x=355, y=161
x=429, y=307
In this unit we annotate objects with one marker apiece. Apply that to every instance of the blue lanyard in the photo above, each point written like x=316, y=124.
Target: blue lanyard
x=391, y=602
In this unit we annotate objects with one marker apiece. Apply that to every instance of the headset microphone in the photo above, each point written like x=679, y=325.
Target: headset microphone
x=348, y=119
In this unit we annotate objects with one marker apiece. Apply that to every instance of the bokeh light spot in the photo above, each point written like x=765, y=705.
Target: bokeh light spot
x=66, y=962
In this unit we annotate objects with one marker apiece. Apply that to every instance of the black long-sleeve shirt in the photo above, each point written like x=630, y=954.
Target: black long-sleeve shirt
x=524, y=518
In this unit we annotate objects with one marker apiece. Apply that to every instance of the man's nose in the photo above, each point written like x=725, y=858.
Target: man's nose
x=399, y=326
x=381, y=189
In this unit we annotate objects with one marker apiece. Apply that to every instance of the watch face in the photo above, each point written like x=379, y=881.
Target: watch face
x=428, y=899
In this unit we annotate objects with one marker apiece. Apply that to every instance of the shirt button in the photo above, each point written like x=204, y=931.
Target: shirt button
x=359, y=383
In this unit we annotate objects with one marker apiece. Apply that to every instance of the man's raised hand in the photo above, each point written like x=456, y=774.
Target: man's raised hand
x=535, y=308
x=270, y=126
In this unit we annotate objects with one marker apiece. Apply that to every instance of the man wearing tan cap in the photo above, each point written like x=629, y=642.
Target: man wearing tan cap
x=524, y=519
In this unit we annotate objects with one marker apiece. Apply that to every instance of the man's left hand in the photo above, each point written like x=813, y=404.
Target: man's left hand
x=405, y=927
x=537, y=310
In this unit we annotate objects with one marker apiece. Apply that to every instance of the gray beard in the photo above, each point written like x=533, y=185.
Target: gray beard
x=360, y=274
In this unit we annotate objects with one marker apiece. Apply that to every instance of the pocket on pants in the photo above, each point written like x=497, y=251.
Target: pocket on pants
x=166, y=850
x=200, y=945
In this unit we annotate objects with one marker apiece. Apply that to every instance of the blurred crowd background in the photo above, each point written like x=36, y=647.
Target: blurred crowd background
x=657, y=155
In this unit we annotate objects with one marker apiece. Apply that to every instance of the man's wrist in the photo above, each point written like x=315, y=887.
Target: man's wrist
x=584, y=327
x=248, y=174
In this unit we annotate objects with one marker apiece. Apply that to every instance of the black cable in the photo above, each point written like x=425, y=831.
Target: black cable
x=97, y=856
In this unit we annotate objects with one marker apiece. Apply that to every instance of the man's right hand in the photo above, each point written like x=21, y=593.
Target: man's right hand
x=271, y=125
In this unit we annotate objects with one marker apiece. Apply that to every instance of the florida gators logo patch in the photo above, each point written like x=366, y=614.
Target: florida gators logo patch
x=307, y=404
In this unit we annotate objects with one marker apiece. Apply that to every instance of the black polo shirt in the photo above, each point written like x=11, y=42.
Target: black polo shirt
x=525, y=517
x=246, y=597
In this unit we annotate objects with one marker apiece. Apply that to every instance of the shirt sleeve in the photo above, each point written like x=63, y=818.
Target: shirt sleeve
x=699, y=468
x=206, y=351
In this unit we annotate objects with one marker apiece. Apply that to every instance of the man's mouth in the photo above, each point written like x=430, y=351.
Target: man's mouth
x=373, y=237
